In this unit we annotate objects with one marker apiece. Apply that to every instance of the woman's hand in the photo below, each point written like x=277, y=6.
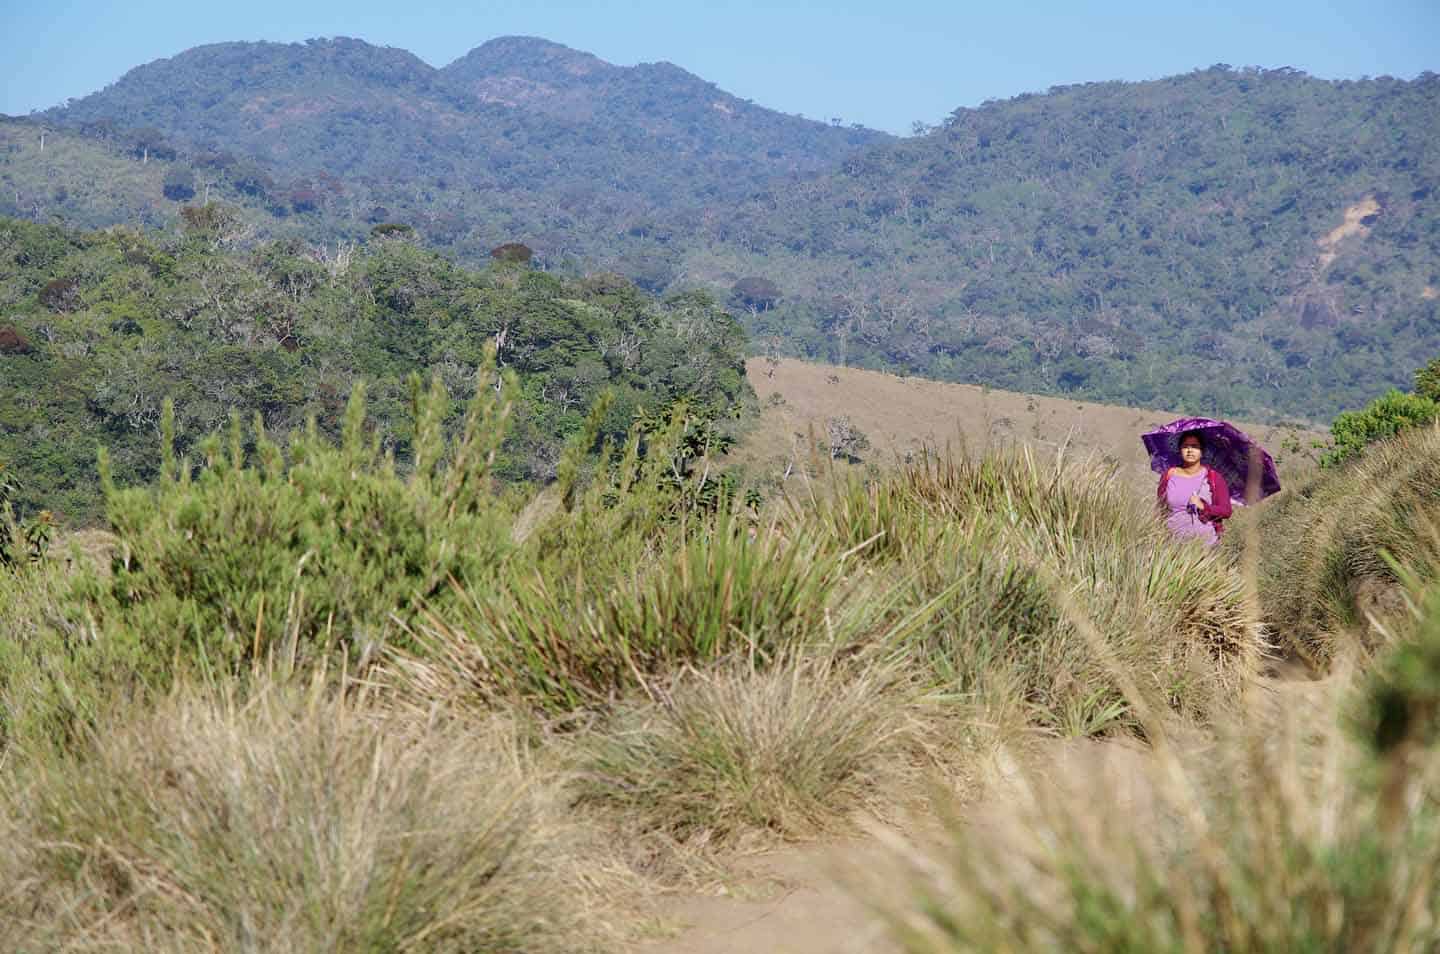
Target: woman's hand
x=1196, y=502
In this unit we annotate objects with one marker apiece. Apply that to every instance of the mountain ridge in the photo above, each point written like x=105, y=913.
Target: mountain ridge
x=237, y=88
x=1144, y=243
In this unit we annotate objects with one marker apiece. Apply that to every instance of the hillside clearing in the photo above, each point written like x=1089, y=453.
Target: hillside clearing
x=1358, y=219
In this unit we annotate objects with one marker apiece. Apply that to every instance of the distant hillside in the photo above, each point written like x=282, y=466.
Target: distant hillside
x=521, y=138
x=682, y=112
x=1253, y=242
x=899, y=416
x=52, y=174
x=1248, y=241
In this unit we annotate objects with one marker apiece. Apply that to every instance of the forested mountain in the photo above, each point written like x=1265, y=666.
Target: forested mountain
x=99, y=328
x=1240, y=241
x=363, y=132
x=1256, y=241
x=687, y=115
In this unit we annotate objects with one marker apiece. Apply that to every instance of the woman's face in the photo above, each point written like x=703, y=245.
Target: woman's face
x=1190, y=451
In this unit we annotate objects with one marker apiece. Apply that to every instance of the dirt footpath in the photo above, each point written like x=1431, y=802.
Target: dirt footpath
x=809, y=899
x=815, y=899
x=796, y=905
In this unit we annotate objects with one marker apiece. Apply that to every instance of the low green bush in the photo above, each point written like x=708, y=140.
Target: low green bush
x=259, y=553
x=1427, y=380
x=265, y=549
x=1383, y=417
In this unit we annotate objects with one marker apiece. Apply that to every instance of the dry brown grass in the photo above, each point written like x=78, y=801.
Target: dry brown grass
x=1305, y=821
x=1332, y=546
x=733, y=754
x=900, y=415
x=1276, y=837
x=296, y=821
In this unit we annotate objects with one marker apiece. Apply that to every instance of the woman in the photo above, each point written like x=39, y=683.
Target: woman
x=1194, y=497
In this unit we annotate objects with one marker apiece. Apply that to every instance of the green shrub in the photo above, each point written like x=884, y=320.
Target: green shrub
x=1383, y=417
x=259, y=554
x=301, y=551
x=1427, y=380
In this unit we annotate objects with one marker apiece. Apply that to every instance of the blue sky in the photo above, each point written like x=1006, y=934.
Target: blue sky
x=882, y=64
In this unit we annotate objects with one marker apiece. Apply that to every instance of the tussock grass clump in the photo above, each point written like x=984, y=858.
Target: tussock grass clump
x=1291, y=834
x=732, y=752
x=1330, y=547
x=974, y=571
x=718, y=588
x=1270, y=862
x=992, y=563
x=296, y=822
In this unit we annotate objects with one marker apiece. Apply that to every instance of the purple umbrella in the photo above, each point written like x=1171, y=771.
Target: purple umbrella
x=1227, y=449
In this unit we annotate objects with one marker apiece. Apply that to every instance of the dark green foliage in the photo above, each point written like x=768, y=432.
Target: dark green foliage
x=1383, y=417
x=263, y=551
x=756, y=292
x=1148, y=243
x=1427, y=381
x=180, y=184
x=283, y=329
x=392, y=230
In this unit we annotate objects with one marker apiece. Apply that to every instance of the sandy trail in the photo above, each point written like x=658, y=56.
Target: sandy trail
x=812, y=899
x=808, y=899
x=802, y=907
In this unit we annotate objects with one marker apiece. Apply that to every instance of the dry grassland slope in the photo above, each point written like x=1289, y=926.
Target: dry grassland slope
x=899, y=415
